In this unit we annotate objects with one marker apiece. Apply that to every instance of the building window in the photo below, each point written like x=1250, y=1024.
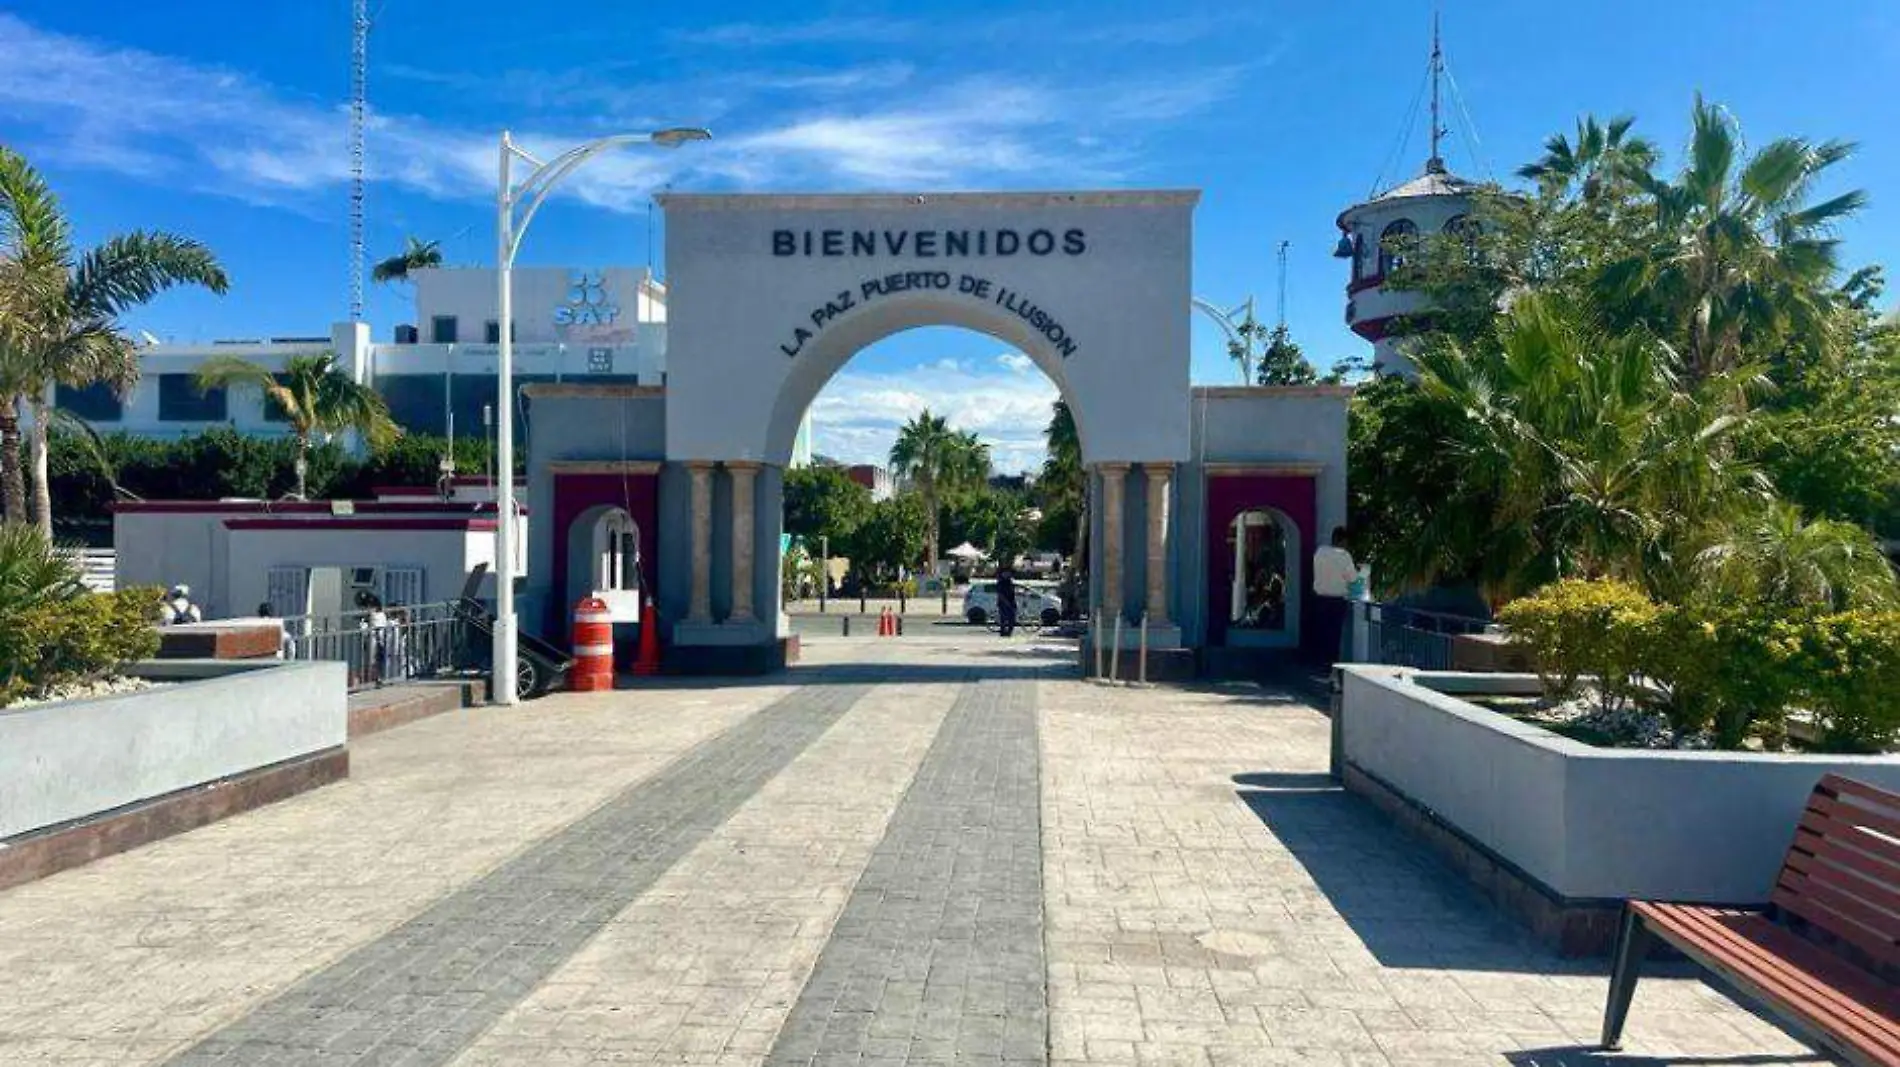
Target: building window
x=94, y=403
x=1468, y=230
x=491, y=331
x=442, y=330
x=179, y=400
x=1395, y=243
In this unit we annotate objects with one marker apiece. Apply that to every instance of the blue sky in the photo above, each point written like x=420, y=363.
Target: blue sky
x=225, y=120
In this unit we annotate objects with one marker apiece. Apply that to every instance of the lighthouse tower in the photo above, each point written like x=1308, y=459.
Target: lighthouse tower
x=1375, y=237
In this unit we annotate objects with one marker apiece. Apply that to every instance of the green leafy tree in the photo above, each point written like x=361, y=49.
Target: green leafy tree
x=893, y=535
x=1282, y=363
x=59, y=315
x=314, y=395
x=824, y=503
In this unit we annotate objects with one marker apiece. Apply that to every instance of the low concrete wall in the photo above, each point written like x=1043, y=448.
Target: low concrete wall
x=67, y=761
x=1584, y=823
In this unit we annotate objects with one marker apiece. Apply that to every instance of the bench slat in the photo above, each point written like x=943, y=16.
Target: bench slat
x=1847, y=871
x=1837, y=913
x=1881, y=833
x=1874, y=797
x=1826, y=994
x=1826, y=826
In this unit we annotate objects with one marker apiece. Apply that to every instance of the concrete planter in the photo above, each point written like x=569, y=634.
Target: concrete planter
x=1562, y=832
x=64, y=763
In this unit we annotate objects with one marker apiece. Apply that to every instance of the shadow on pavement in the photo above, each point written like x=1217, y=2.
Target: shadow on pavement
x=1407, y=908
x=1588, y=1056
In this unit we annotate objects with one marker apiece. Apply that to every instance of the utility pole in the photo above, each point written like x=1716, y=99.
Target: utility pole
x=1283, y=248
x=359, y=91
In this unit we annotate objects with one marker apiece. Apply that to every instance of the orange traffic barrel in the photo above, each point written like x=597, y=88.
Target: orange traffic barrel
x=593, y=669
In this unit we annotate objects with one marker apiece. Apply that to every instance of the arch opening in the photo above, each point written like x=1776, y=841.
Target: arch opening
x=1263, y=557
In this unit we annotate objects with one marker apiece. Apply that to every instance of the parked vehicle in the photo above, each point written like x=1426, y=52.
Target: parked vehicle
x=1035, y=602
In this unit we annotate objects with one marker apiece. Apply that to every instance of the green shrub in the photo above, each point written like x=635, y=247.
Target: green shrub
x=1574, y=628
x=61, y=641
x=1727, y=669
x=1850, y=679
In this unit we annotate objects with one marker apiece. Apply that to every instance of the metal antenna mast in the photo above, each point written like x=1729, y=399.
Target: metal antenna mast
x=1436, y=164
x=1283, y=248
x=359, y=77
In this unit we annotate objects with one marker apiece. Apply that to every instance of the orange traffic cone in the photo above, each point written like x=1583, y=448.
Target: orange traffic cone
x=649, y=659
x=884, y=627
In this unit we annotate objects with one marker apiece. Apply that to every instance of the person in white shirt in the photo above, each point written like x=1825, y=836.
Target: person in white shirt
x=1335, y=574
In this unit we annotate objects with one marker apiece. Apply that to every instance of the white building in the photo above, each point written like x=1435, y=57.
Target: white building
x=1375, y=235
x=601, y=326
x=311, y=558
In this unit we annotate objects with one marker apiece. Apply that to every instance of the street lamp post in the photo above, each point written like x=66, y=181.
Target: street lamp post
x=529, y=195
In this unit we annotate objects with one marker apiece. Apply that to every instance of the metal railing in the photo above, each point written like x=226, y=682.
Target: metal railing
x=412, y=641
x=97, y=567
x=1411, y=637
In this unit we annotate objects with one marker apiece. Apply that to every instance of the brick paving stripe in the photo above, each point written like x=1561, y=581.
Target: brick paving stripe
x=419, y=994
x=937, y=957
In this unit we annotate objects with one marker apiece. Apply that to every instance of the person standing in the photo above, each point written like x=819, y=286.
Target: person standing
x=1337, y=576
x=1005, y=602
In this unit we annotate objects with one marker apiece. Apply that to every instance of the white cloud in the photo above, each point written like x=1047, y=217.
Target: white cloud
x=169, y=120
x=1016, y=362
x=857, y=416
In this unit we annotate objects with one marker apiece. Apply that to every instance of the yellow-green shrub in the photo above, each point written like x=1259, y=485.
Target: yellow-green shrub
x=73, y=639
x=1574, y=628
x=1850, y=679
x=1729, y=669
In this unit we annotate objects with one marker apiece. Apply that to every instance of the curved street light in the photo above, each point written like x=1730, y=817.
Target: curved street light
x=529, y=195
x=1240, y=342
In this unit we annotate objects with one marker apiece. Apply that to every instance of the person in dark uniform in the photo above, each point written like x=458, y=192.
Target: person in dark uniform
x=1005, y=602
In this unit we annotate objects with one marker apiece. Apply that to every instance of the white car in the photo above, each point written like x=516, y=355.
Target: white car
x=1033, y=603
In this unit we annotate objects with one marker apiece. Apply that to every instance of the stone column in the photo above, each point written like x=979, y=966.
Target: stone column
x=1114, y=597
x=1159, y=474
x=744, y=479
x=700, y=609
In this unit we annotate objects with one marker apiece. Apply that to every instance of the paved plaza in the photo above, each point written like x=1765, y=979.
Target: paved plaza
x=941, y=850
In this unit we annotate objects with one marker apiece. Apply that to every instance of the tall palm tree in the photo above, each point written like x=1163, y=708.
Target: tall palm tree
x=1604, y=159
x=1739, y=254
x=315, y=395
x=59, y=314
x=1064, y=481
x=938, y=462
x=415, y=255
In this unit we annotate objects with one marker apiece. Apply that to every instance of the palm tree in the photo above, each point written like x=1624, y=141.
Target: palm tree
x=1603, y=159
x=415, y=255
x=1064, y=481
x=938, y=462
x=1580, y=455
x=59, y=314
x=1779, y=557
x=1739, y=255
x=315, y=395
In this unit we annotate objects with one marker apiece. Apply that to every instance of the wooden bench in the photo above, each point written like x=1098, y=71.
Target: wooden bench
x=1824, y=955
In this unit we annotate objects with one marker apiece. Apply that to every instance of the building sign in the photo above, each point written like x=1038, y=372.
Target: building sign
x=929, y=244
x=587, y=302
x=967, y=285
x=600, y=361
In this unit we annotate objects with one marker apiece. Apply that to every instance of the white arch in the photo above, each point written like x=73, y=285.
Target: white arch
x=820, y=361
